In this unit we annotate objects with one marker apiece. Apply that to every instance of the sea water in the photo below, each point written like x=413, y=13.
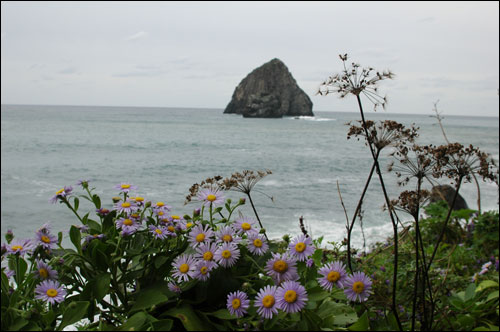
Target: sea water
x=163, y=151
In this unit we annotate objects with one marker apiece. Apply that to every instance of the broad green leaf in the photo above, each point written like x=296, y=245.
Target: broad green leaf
x=101, y=286
x=94, y=225
x=221, y=314
x=76, y=238
x=470, y=292
x=149, y=297
x=74, y=312
x=19, y=323
x=134, y=323
x=160, y=260
x=486, y=284
x=492, y=296
x=188, y=318
x=362, y=324
x=76, y=203
x=97, y=201
x=163, y=325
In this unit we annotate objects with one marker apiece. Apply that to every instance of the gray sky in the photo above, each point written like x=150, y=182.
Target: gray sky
x=194, y=54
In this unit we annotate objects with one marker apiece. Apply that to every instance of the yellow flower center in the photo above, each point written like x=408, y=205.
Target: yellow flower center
x=226, y=254
x=290, y=296
x=211, y=197
x=184, y=268
x=227, y=238
x=189, y=224
x=208, y=256
x=236, y=303
x=135, y=215
x=358, y=287
x=43, y=273
x=59, y=191
x=160, y=204
x=45, y=239
x=126, y=205
x=300, y=247
x=333, y=276
x=200, y=237
x=280, y=266
x=160, y=213
x=128, y=222
x=125, y=186
x=257, y=243
x=15, y=248
x=171, y=229
x=268, y=301
x=176, y=217
x=158, y=231
x=51, y=292
x=139, y=199
x=204, y=270
x=246, y=226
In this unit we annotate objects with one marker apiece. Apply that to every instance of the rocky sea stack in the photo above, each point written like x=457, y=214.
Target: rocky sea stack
x=270, y=91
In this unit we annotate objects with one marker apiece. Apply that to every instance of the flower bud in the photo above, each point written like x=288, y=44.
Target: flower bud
x=116, y=199
x=262, y=231
x=196, y=212
x=242, y=201
x=9, y=235
x=229, y=201
x=186, y=217
x=286, y=238
x=148, y=204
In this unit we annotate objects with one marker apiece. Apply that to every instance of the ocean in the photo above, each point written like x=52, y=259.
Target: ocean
x=164, y=151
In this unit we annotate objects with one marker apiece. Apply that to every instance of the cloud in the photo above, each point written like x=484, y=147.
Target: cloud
x=68, y=71
x=136, y=36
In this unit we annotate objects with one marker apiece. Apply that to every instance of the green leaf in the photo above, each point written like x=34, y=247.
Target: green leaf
x=317, y=294
x=188, y=318
x=101, y=286
x=97, y=201
x=470, y=292
x=223, y=314
x=76, y=238
x=163, y=325
x=76, y=203
x=486, y=284
x=134, y=323
x=160, y=260
x=362, y=324
x=149, y=297
x=19, y=323
x=74, y=312
x=492, y=296
x=94, y=226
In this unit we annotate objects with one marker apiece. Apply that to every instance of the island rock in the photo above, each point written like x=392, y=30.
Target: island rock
x=446, y=193
x=270, y=91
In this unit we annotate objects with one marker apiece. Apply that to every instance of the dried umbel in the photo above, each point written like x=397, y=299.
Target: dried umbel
x=245, y=181
x=210, y=183
x=383, y=133
x=414, y=161
x=356, y=80
x=410, y=201
x=457, y=162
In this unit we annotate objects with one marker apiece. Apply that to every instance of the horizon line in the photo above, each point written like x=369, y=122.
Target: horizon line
x=218, y=108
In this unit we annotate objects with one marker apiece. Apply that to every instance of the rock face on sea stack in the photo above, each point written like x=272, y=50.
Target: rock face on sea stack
x=270, y=91
x=446, y=192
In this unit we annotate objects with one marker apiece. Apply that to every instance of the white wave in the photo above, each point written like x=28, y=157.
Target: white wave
x=310, y=118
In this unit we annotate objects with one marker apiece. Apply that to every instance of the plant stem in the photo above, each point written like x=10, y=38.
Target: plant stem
x=255, y=211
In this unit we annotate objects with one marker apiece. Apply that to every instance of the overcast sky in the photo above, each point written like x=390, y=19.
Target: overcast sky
x=194, y=54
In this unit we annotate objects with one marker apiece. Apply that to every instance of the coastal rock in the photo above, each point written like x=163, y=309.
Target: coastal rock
x=446, y=192
x=270, y=91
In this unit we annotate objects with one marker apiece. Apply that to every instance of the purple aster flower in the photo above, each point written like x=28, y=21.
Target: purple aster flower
x=171, y=228
x=8, y=272
x=184, y=267
x=125, y=187
x=160, y=209
x=309, y=262
x=126, y=207
x=206, y=253
x=61, y=194
x=200, y=234
x=202, y=270
x=174, y=287
x=382, y=268
x=333, y=274
x=281, y=267
x=102, y=212
x=159, y=232
x=238, y=303
x=186, y=224
x=45, y=239
x=227, y=254
x=83, y=183
x=357, y=287
x=139, y=200
x=474, y=277
x=44, y=271
x=50, y=291
x=265, y=301
x=128, y=226
x=211, y=197
x=257, y=244
x=301, y=247
x=20, y=247
x=245, y=226
x=82, y=228
x=291, y=296
x=226, y=234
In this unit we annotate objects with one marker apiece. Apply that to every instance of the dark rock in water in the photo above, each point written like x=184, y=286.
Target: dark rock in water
x=446, y=193
x=270, y=91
